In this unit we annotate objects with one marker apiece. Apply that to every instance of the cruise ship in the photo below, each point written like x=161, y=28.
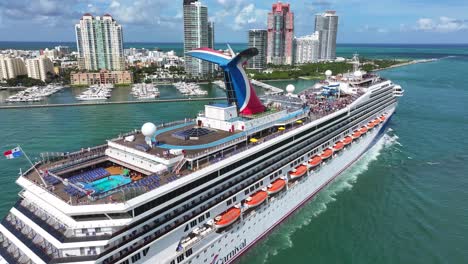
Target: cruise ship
x=201, y=190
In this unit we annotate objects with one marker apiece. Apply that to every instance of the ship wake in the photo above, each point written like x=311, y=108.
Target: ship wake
x=282, y=238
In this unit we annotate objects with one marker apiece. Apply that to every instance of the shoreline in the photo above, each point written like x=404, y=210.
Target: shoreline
x=412, y=62
x=406, y=63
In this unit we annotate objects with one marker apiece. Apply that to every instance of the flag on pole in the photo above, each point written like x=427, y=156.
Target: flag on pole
x=13, y=153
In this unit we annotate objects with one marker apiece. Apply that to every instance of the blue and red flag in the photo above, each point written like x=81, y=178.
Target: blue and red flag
x=13, y=153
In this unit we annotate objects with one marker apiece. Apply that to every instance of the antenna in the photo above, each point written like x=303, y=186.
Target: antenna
x=233, y=54
x=356, y=63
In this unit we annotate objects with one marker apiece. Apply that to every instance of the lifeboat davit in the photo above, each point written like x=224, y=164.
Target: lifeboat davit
x=347, y=140
x=298, y=172
x=327, y=153
x=338, y=146
x=315, y=161
x=276, y=186
x=356, y=134
x=227, y=218
x=256, y=199
x=363, y=130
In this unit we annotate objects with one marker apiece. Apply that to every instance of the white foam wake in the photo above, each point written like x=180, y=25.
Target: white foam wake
x=282, y=238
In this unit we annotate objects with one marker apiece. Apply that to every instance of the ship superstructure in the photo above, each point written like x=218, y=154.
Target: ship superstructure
x=201, y=190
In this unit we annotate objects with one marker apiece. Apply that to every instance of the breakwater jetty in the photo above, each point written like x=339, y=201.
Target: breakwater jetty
x=111, y=103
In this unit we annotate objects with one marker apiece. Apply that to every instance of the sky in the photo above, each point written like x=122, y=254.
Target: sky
x=360, y=21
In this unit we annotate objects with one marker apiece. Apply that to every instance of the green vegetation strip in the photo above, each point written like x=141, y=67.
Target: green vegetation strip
x=316, y=70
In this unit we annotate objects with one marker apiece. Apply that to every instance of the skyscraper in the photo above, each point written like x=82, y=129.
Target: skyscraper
x=280, y=34
x=307, y=49
x=198, y=33
x=100, y=43
x=327, y=26
x=258, y=39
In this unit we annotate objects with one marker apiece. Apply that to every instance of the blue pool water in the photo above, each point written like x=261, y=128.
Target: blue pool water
x=107, y=184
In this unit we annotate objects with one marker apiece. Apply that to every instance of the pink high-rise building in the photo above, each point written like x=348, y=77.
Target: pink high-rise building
x=280, y=34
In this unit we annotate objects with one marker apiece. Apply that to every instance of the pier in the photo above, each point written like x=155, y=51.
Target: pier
x=111, y=103
x=270, y=88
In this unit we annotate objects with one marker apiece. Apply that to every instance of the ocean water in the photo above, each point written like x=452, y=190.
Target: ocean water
x=405, y=201
x=387, y=51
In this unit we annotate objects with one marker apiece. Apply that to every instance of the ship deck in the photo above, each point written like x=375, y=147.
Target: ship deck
x=205, y=150
x=166, y=140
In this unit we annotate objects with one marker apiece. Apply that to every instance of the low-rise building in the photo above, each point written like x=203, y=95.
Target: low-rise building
x=53, y=54
x=101, y=77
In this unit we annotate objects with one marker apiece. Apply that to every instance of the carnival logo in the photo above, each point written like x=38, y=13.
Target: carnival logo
x=231, y=254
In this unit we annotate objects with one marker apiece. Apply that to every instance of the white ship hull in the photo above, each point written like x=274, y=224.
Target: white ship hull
x=229, y=245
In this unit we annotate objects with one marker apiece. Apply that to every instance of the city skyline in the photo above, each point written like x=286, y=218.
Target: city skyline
x=158, y=21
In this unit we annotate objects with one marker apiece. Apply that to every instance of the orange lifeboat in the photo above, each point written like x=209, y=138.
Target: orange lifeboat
x=276, y=186
x=363, y=130
x=315, y=161
x=298, y=172
x=327, y=153
x=256, y=199
x=227, y=218
x=370, y=125
x=383, y=118
x=356, y=134
x=376, y=122
x=347, y=140
x=338, y=146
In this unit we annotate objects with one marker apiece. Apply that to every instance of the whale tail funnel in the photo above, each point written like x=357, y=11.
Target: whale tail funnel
x=239, y=90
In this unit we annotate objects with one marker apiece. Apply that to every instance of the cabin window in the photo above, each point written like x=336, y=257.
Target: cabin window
x=201, y=218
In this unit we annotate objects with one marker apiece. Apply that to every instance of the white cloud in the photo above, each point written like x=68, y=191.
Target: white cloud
x=442, y=24
x=238, y=14
x=143, y=12
x=114, y=4
x=248, y=15
x=367, y=28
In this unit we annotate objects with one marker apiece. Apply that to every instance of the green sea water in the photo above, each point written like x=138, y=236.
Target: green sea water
x=405, y=201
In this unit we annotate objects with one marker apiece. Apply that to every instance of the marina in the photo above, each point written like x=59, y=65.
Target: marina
x=189, y=89
x=96, y=93
x=220, y=84
x=34, y=94
x=144, y=91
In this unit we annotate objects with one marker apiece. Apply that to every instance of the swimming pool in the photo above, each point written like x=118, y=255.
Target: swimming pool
x=107, y=184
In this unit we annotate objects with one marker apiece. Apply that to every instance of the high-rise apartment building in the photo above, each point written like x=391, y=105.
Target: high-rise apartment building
x=280, y=34
x=11, y=67
x=198, y=33
x=307, y=49
x=258, y=39
x=327, y=26
x=38, y=68
x=100, y=43
x=211, y=29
